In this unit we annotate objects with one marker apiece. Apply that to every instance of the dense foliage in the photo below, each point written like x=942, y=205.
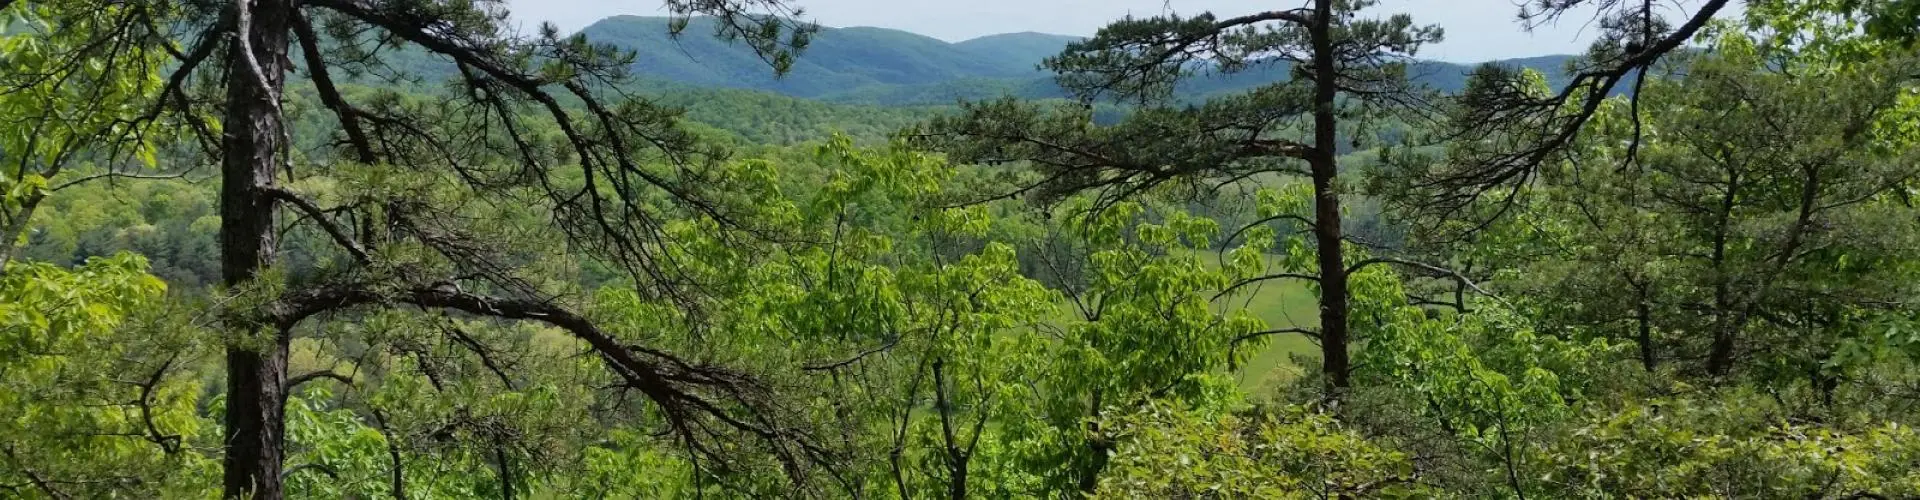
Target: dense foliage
x=503, y=267
x=888, y=67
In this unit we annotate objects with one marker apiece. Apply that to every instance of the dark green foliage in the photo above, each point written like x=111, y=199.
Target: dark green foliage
x=553, y=279
x=172, y=223
x=763, y=118
x=1018, y=48
x=1221, y=139
x=889, y=67
x=948, y=92
x=836, y=60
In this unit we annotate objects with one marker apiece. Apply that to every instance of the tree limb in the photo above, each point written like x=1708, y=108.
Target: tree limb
x=333, y=228
x=312, y=376
x=1275, y=276
x=1356, y=267
x=1310, y=333
x=329, y=94
x=119, y=175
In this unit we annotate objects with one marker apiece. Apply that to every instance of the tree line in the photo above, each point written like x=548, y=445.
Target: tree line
x=247, y=257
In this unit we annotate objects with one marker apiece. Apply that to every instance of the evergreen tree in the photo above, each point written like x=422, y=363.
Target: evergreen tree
x=1348, y=69
x=228, y=87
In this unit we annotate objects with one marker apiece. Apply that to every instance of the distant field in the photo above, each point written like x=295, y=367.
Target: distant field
x=1282, y=304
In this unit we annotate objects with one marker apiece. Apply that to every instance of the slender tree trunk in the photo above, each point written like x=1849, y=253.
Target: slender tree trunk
x=1326, y=205
x=1643, y=321
x=15, y=227
x=1809, y=203
x=1644, y=315
x=956, y=459
x=1720, y=352
x=506, y=469
x=256, y=375
x=1099, y=443
x=396, y=475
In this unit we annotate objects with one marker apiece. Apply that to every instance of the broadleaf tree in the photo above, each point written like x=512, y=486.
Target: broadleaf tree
x=1345, y=66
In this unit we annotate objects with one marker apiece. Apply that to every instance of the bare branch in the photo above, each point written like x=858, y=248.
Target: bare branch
x=673, y=384
x=312, y=376
x=329, y=94
x=1310, y=333
x=333, y=228
x=856, y=358
x=1356, y=267
x=1270, y=277
x=120, y=175
x=318, y=467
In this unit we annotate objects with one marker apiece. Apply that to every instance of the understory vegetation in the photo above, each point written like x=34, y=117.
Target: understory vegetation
x=255, y=250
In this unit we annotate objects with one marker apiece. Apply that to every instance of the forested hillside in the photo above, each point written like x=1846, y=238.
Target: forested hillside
x=1017, y=48
x=889, y=67
x=400, y=249
x=837, y=59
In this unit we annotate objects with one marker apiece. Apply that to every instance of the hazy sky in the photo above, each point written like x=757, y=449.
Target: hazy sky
x=1476, y=30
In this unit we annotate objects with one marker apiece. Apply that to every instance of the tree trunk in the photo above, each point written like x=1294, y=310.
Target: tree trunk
x=1099, y=443
x=1720, y=352
x=1643, y=322
x=506, y=469
x=956, y=458
x=1643, y=314
x=1720, y=362
x=252, y=143
x=16, y=226
x=1335, y=364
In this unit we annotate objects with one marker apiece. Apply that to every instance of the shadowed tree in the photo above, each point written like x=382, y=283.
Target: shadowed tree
x=535, y=111
x=1512, y=133
x=1522, y=129
x=1345, y=68
x=1761, y=177
x=1512, y=140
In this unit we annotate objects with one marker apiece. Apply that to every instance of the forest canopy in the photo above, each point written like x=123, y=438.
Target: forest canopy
x=402, y=248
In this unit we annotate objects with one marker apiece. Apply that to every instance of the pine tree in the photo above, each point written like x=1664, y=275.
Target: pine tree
x=550, y=113
x=1345, y=66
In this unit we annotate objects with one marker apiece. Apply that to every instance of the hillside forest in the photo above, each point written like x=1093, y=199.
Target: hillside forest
x=266, y=249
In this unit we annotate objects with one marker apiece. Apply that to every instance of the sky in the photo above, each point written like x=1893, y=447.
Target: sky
x=1476, y=30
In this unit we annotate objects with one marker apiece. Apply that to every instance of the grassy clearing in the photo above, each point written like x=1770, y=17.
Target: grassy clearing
x=1281, y=304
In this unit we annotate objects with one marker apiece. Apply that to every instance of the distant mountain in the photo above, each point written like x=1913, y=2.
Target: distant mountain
x=837, y=60
x=1027, y=48
x=1447, y=77
x=880, y=66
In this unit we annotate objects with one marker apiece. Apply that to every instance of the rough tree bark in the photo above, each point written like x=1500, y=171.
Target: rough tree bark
x=251, y=151
x=15, y=227
x=1335, y=364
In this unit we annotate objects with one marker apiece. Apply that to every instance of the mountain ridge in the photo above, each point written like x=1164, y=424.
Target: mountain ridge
x=884, y=66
